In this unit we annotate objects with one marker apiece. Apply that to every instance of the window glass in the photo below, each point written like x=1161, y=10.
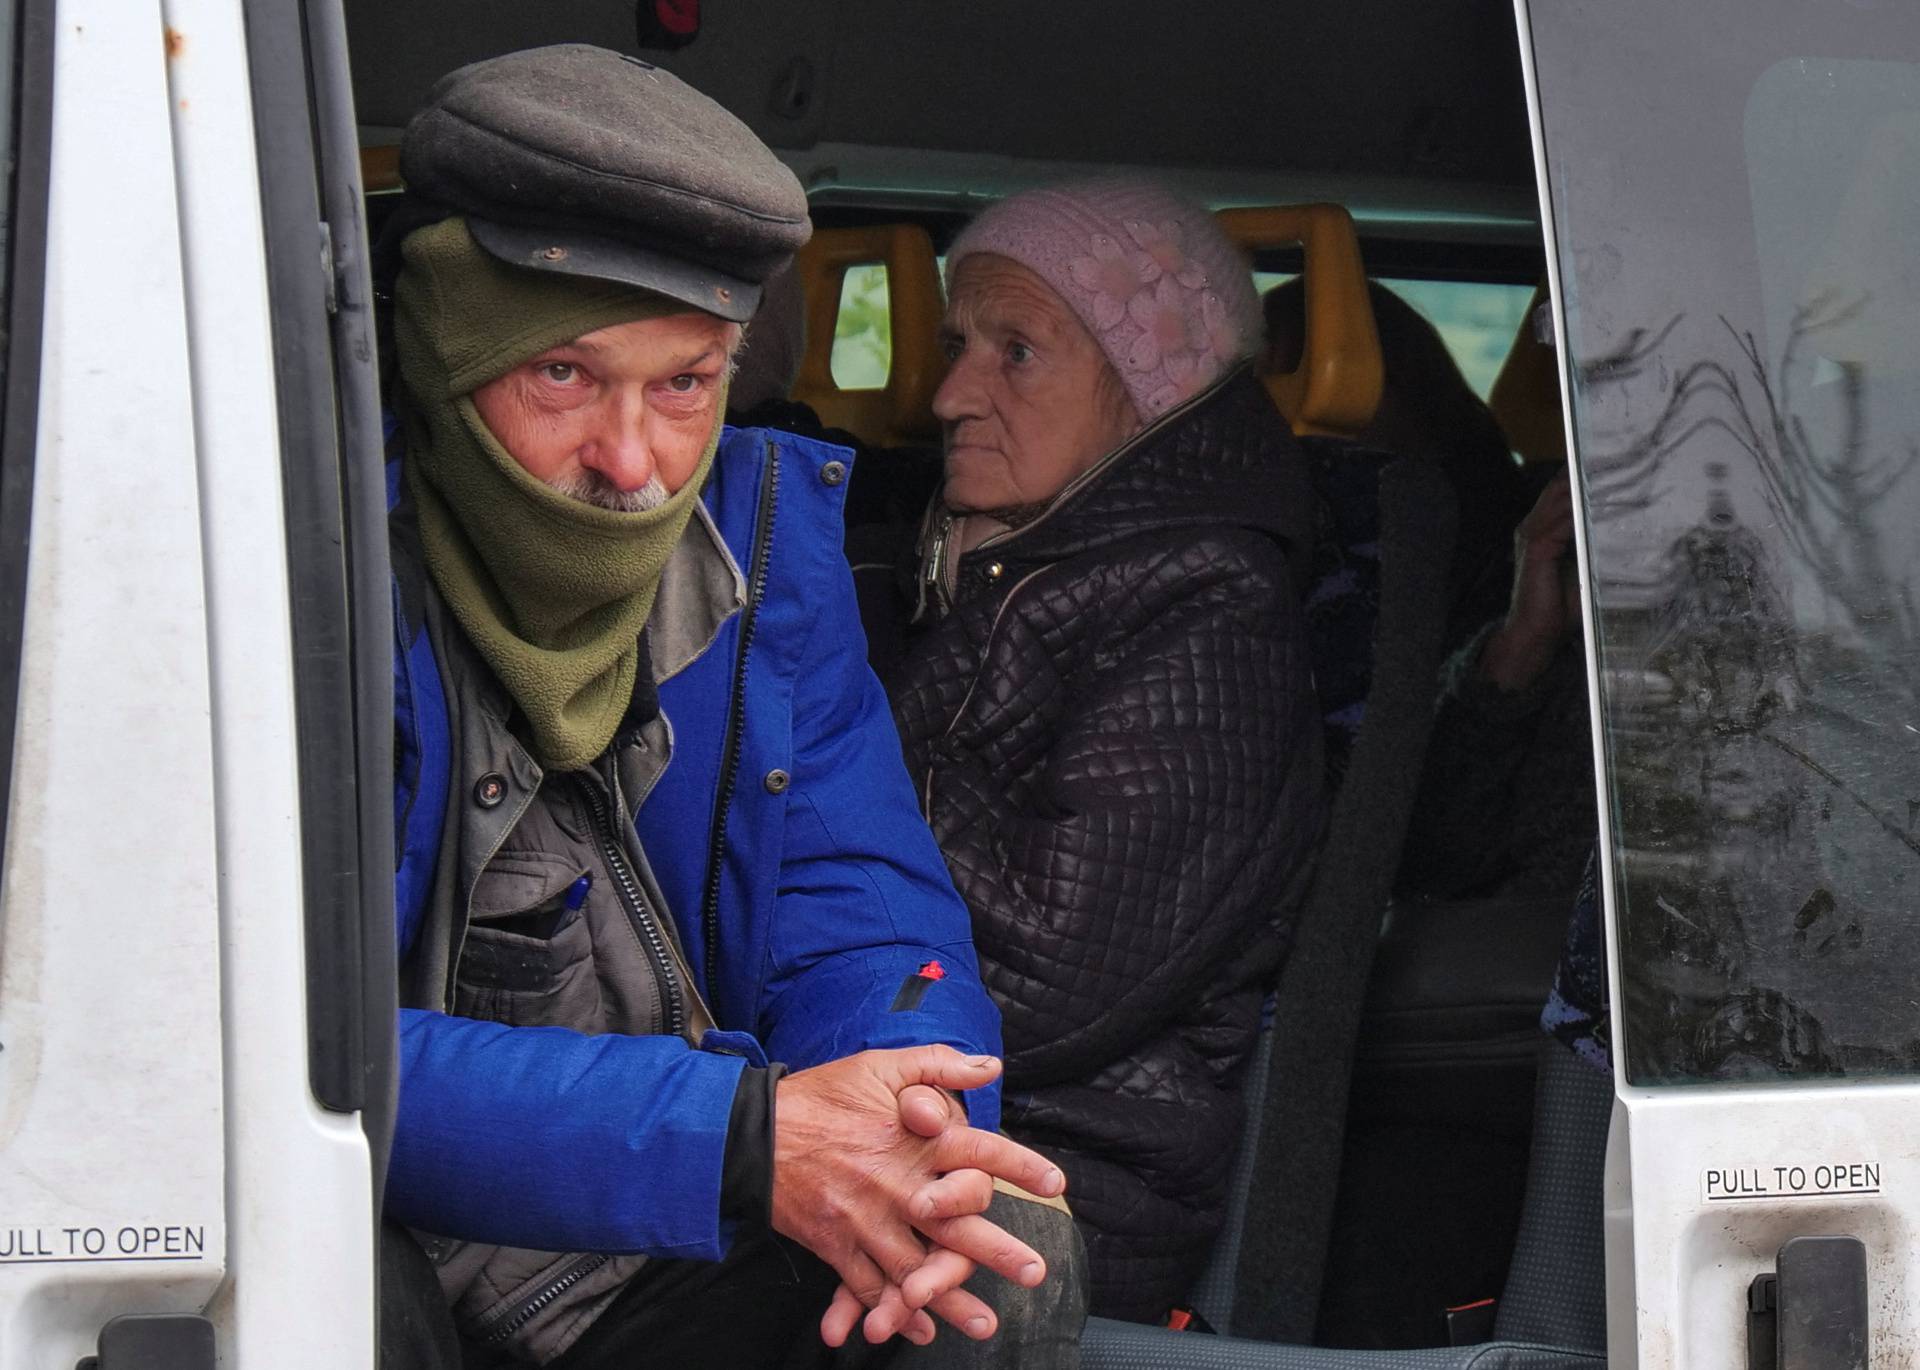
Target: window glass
x=1734, y=187
x=1476, y=319
x=863, y=334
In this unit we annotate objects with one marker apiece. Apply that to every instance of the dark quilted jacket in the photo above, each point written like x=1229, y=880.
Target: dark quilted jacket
x=1114, y=732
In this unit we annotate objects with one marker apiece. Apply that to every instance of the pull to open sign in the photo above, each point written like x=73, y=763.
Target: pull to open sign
x=1827, y=1180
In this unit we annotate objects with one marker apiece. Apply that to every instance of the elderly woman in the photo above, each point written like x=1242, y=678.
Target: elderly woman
x=1108, y=709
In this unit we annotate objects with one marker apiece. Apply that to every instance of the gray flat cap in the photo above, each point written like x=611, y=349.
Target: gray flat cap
x=581, y=160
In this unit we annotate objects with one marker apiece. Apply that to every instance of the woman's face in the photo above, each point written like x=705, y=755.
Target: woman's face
x=1029, y=400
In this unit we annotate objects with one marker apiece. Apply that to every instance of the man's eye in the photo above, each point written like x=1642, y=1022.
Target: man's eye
x=951, y=347
x=684, y=384
x=1019, y=353
x=559, y=373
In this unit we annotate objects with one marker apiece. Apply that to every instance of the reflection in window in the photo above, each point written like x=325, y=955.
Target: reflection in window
x=1741, y=297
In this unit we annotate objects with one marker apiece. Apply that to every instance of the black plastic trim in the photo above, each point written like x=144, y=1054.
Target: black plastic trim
x=155, y=1341
x=25, y=313
x=370, y=572
x=332, y=468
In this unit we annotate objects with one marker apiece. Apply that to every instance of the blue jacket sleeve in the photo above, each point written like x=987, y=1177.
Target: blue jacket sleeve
x=586, y=1128
x=865, y=899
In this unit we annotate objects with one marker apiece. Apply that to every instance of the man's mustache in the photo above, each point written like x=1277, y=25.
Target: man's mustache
x=590, y=487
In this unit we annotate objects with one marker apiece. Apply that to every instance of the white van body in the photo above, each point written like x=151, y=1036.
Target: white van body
x=154, y=1162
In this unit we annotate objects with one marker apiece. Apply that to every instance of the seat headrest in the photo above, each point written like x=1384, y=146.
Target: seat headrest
x=1526, y=394
x=900, y=413
x=379, y=169
x=1336, y=387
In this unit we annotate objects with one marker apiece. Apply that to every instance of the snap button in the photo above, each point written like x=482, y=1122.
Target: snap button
x=555, y=254
x=777, y=781
x=995, y=571
x=490, y=789
x=833, y=472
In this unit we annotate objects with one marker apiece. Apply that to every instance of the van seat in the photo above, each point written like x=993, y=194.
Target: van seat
x=380, y=168
x=1335, y=389
x=900, y=413
x=1526, y=393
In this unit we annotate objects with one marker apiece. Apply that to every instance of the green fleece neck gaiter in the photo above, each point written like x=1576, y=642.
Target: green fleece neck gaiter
x=551, y=590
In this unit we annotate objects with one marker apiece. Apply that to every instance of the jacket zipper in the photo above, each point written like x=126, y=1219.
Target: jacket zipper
x=530, y=1309
x=986, y=649
x=636, y=907
x=737, y=713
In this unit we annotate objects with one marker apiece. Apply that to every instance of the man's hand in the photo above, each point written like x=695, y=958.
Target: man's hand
x=1546, y=598
x=926, y=1112
x=863, y=1161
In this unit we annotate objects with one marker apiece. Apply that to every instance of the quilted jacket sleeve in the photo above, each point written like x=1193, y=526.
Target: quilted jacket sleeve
x=1129, y=788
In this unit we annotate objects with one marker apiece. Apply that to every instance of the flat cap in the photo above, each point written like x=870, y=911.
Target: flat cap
x=585, y=161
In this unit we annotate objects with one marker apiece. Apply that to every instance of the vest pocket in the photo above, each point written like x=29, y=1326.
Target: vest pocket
x=528, y=956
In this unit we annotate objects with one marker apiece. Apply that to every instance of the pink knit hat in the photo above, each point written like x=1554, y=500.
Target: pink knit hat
x=1165, y=293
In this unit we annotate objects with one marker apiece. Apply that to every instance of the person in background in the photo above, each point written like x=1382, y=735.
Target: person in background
x=1107, y=707
x=771, y=349
x=1506, y=801
x=1428, y=410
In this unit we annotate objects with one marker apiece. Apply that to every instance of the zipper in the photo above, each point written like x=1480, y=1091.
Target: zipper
x=737, y=712
x=636, y=907
x=986, y=649
x=512, y=1322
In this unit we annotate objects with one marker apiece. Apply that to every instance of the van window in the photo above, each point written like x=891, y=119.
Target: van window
x=1742, y=298
x=1477, y=320
x=863, y=333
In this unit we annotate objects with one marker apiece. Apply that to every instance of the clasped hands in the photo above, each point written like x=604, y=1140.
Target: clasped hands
x=877, y=1172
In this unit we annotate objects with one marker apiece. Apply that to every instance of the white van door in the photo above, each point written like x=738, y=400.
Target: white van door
x=196, y=987
x=1732, y=189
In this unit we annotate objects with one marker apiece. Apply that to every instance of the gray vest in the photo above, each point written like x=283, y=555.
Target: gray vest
x=545, y=913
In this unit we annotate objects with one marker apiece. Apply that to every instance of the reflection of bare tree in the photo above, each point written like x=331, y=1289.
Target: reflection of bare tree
x=1824, y=496
x=1727, y=781
x=1620, y=479
x=1845, y=481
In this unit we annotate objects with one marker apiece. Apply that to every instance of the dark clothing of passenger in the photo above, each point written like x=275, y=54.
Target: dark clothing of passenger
x=1112, y=725
x=887, y=491
x=888, y=486
x=1428, y=410
x=1506, y=802
x=1577, y=1013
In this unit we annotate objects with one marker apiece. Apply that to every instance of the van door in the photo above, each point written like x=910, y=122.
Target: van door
x=196, y=983
x=112, y=1105
x=1732, y=189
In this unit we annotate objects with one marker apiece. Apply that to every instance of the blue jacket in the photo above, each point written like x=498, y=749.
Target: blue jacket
x=802, y=909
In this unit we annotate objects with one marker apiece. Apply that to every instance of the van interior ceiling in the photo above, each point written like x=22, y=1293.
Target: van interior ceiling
x=1413, y=119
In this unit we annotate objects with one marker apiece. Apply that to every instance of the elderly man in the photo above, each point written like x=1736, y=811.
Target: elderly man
x=1109, y=711
x=655, y=836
